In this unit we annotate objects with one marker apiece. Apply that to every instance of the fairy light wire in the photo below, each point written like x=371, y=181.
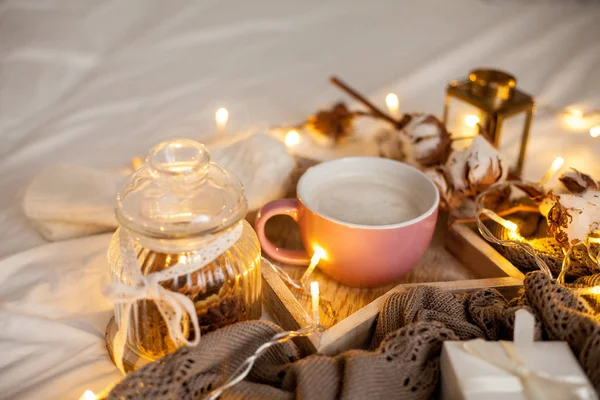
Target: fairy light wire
x=526, y=247
x=302, y=285
x=286, y=277
x=487, y=234
x=244, y=369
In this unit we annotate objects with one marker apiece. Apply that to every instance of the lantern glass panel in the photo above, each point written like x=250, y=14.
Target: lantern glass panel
x=462, y=120
x=511, y=137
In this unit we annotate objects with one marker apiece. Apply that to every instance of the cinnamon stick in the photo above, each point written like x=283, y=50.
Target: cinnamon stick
x=375, y=110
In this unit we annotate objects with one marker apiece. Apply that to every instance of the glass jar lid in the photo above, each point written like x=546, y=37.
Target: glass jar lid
x=179, y=192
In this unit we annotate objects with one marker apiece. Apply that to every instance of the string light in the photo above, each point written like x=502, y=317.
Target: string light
x=523, y=245
x=292, y=138
x=393, y=104
x=574, y=118
x=88, y=395
x=136, y=163
x=302, y=284
x=595, y=131
x=487, y=234
x=556, y=165
x=244, y=369
x=513, y=229
x=595, y=290
x=575, y=113
x=221, y=118
x=314, y=292
x=472, y=120
x=317, y=256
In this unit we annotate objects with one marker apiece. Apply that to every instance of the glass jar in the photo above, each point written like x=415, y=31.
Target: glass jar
x=175, y=205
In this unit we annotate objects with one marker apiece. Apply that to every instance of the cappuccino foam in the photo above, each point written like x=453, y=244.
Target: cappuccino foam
x=363, y=200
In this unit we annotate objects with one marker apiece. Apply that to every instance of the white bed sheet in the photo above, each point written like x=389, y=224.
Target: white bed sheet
x=95, y=83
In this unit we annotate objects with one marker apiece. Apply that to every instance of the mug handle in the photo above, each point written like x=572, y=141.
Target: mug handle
x=271, y=209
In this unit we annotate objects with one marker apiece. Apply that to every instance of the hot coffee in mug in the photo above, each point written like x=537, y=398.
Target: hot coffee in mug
x=373, y=217
x=362, y=198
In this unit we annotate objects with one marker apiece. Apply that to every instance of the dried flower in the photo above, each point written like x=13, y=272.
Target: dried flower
x=473, y=170
x=578, y=182
x=572, y=218
x=389, y=144
x=336, y=122
x=466, y=174
x=438, y=178
x=558, y=219
x=428, y=138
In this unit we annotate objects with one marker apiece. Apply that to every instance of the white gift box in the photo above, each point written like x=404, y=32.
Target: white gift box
x=522, y=369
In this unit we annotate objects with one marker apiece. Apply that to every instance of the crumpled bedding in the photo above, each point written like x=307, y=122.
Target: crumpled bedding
x=96, y=83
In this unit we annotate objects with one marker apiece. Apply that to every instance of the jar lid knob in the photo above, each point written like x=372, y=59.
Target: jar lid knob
x=182, y=160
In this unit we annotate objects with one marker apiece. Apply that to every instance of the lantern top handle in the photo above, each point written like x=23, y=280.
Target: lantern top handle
x=490, y=83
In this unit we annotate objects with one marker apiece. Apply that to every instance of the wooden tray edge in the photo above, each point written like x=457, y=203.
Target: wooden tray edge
x=286, y=309
x=351, y=331
x=470, y=248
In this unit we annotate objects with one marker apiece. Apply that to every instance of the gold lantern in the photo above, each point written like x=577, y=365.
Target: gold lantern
x=489, y=103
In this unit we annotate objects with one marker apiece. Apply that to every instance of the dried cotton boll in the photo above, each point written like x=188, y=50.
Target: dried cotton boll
x=428, y=139
x=389, y=144
x=439, y=179
x=577, y=182
x=476, y=168
x=485, y=165
x=456, y=171
x=437, y=176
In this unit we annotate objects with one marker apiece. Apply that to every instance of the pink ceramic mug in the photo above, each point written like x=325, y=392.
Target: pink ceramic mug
x=372, y=217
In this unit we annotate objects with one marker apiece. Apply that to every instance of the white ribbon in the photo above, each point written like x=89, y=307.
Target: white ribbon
x=135, y=286
x=537, y=385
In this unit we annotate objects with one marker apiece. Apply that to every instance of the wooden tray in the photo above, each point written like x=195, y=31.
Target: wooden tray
x=458, y=260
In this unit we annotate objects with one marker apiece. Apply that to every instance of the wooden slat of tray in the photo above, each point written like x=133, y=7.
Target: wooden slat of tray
x=472, y=249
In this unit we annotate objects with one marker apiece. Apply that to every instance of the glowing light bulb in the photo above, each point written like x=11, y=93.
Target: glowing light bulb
x=393, y=104
x=556, y=164
x=319, y=254
x=88, y=395
x=574, y=118
x=136, y=163
x=314, y=292
x=292, y=138
x=595, y=290
x=221, y=117
x=576, y=113
x=511, y=226
x=595, y=131
x=472, y=120
x=314, y=261
x=589, y=290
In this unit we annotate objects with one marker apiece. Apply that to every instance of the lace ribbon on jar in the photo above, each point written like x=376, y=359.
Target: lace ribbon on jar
x=172, y=305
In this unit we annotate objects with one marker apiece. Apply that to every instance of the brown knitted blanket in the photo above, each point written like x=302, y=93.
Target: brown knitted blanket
x=403, y=362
